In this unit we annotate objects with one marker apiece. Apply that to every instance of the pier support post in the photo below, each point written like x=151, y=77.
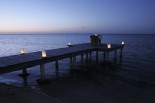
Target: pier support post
x=107, y=56
x=81, y=57
x=25, y=82
x=115, y=56
x=96, y=56
x=57, y=68
x=42, y=79
x=90, y=56
x=104, y=56
x=24, y=73
x=74, y=62
x=42, y=72
x=86, y=57
x=71, y=59
x=121, y=55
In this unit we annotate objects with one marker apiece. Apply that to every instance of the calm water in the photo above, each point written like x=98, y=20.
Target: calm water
x=138, y=60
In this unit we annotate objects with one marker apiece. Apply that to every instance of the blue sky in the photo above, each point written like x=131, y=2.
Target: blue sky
x=79, y=16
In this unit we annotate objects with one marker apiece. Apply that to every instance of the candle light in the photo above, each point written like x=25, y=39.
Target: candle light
x=96, y=34
x=122, y=42
x=69, y=44
x=22, y=51
x=43, y=54
x=108, y=45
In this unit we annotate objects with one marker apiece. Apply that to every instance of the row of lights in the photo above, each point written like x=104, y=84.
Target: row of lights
x=22, y=52
x=109, y=45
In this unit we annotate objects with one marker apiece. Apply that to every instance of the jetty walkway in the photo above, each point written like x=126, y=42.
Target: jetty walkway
x=27, y=60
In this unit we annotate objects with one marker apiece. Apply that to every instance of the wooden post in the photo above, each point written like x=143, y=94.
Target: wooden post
x=56, y=68
x=74, y=62
x=121, y=55
x=86, y=57
x=104, y=56
x=107, y=56
x=115, y=56
x=24, y=76
x=96, y=56
x=25, y=83
x=81, y=57
x=71, y=59
x=42, y=72
x=90, y=56
x=24, y=73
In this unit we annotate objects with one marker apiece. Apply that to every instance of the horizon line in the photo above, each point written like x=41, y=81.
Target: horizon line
x=51, y=33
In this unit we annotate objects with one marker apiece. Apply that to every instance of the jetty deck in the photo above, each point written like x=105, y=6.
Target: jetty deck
x=21, y=62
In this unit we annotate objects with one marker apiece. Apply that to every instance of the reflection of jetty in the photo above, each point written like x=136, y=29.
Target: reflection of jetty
x=21, y=62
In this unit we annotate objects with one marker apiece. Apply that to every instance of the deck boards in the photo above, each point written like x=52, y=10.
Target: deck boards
x=17, y=62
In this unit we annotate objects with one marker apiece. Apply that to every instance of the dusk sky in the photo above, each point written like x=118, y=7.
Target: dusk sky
x=78, y=16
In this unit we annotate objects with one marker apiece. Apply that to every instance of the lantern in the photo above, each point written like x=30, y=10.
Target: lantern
x=43, y=54
x=96, y=34
x=22, y=51
x=69, y=44
x=108, y=45
x=122, y=42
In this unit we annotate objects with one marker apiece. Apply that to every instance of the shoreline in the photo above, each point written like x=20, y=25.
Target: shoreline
x=88, y=84
x=13, y=94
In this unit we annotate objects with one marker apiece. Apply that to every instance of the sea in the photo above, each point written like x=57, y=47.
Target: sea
x=138, y=54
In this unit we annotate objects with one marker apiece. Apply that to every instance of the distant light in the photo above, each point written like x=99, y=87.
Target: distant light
x=108, y=45
x=43, y=53
x=22, y=51
x=122, y=42
x=96, y=34
x=69, y=44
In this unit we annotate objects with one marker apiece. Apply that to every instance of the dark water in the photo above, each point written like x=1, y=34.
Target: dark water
x=138, y=54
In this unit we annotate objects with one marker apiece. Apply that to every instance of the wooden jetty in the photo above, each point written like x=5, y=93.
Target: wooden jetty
x=21, y=62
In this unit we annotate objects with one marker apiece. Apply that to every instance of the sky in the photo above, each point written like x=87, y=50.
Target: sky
x=77, y=16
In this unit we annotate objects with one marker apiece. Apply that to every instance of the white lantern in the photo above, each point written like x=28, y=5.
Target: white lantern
x=122, y=42
x=69, y=44
x=43, y=54
x=22, y=51
x=96, y=34
x=108, y=45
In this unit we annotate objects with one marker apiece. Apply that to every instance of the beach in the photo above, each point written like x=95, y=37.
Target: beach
x=14, y=94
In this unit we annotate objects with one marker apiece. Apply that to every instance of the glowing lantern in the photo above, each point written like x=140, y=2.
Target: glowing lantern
x=96, y=34
x=108, y=45
x=69, y=44
x=22, y=51
x=43, y=54
x=122, y=42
